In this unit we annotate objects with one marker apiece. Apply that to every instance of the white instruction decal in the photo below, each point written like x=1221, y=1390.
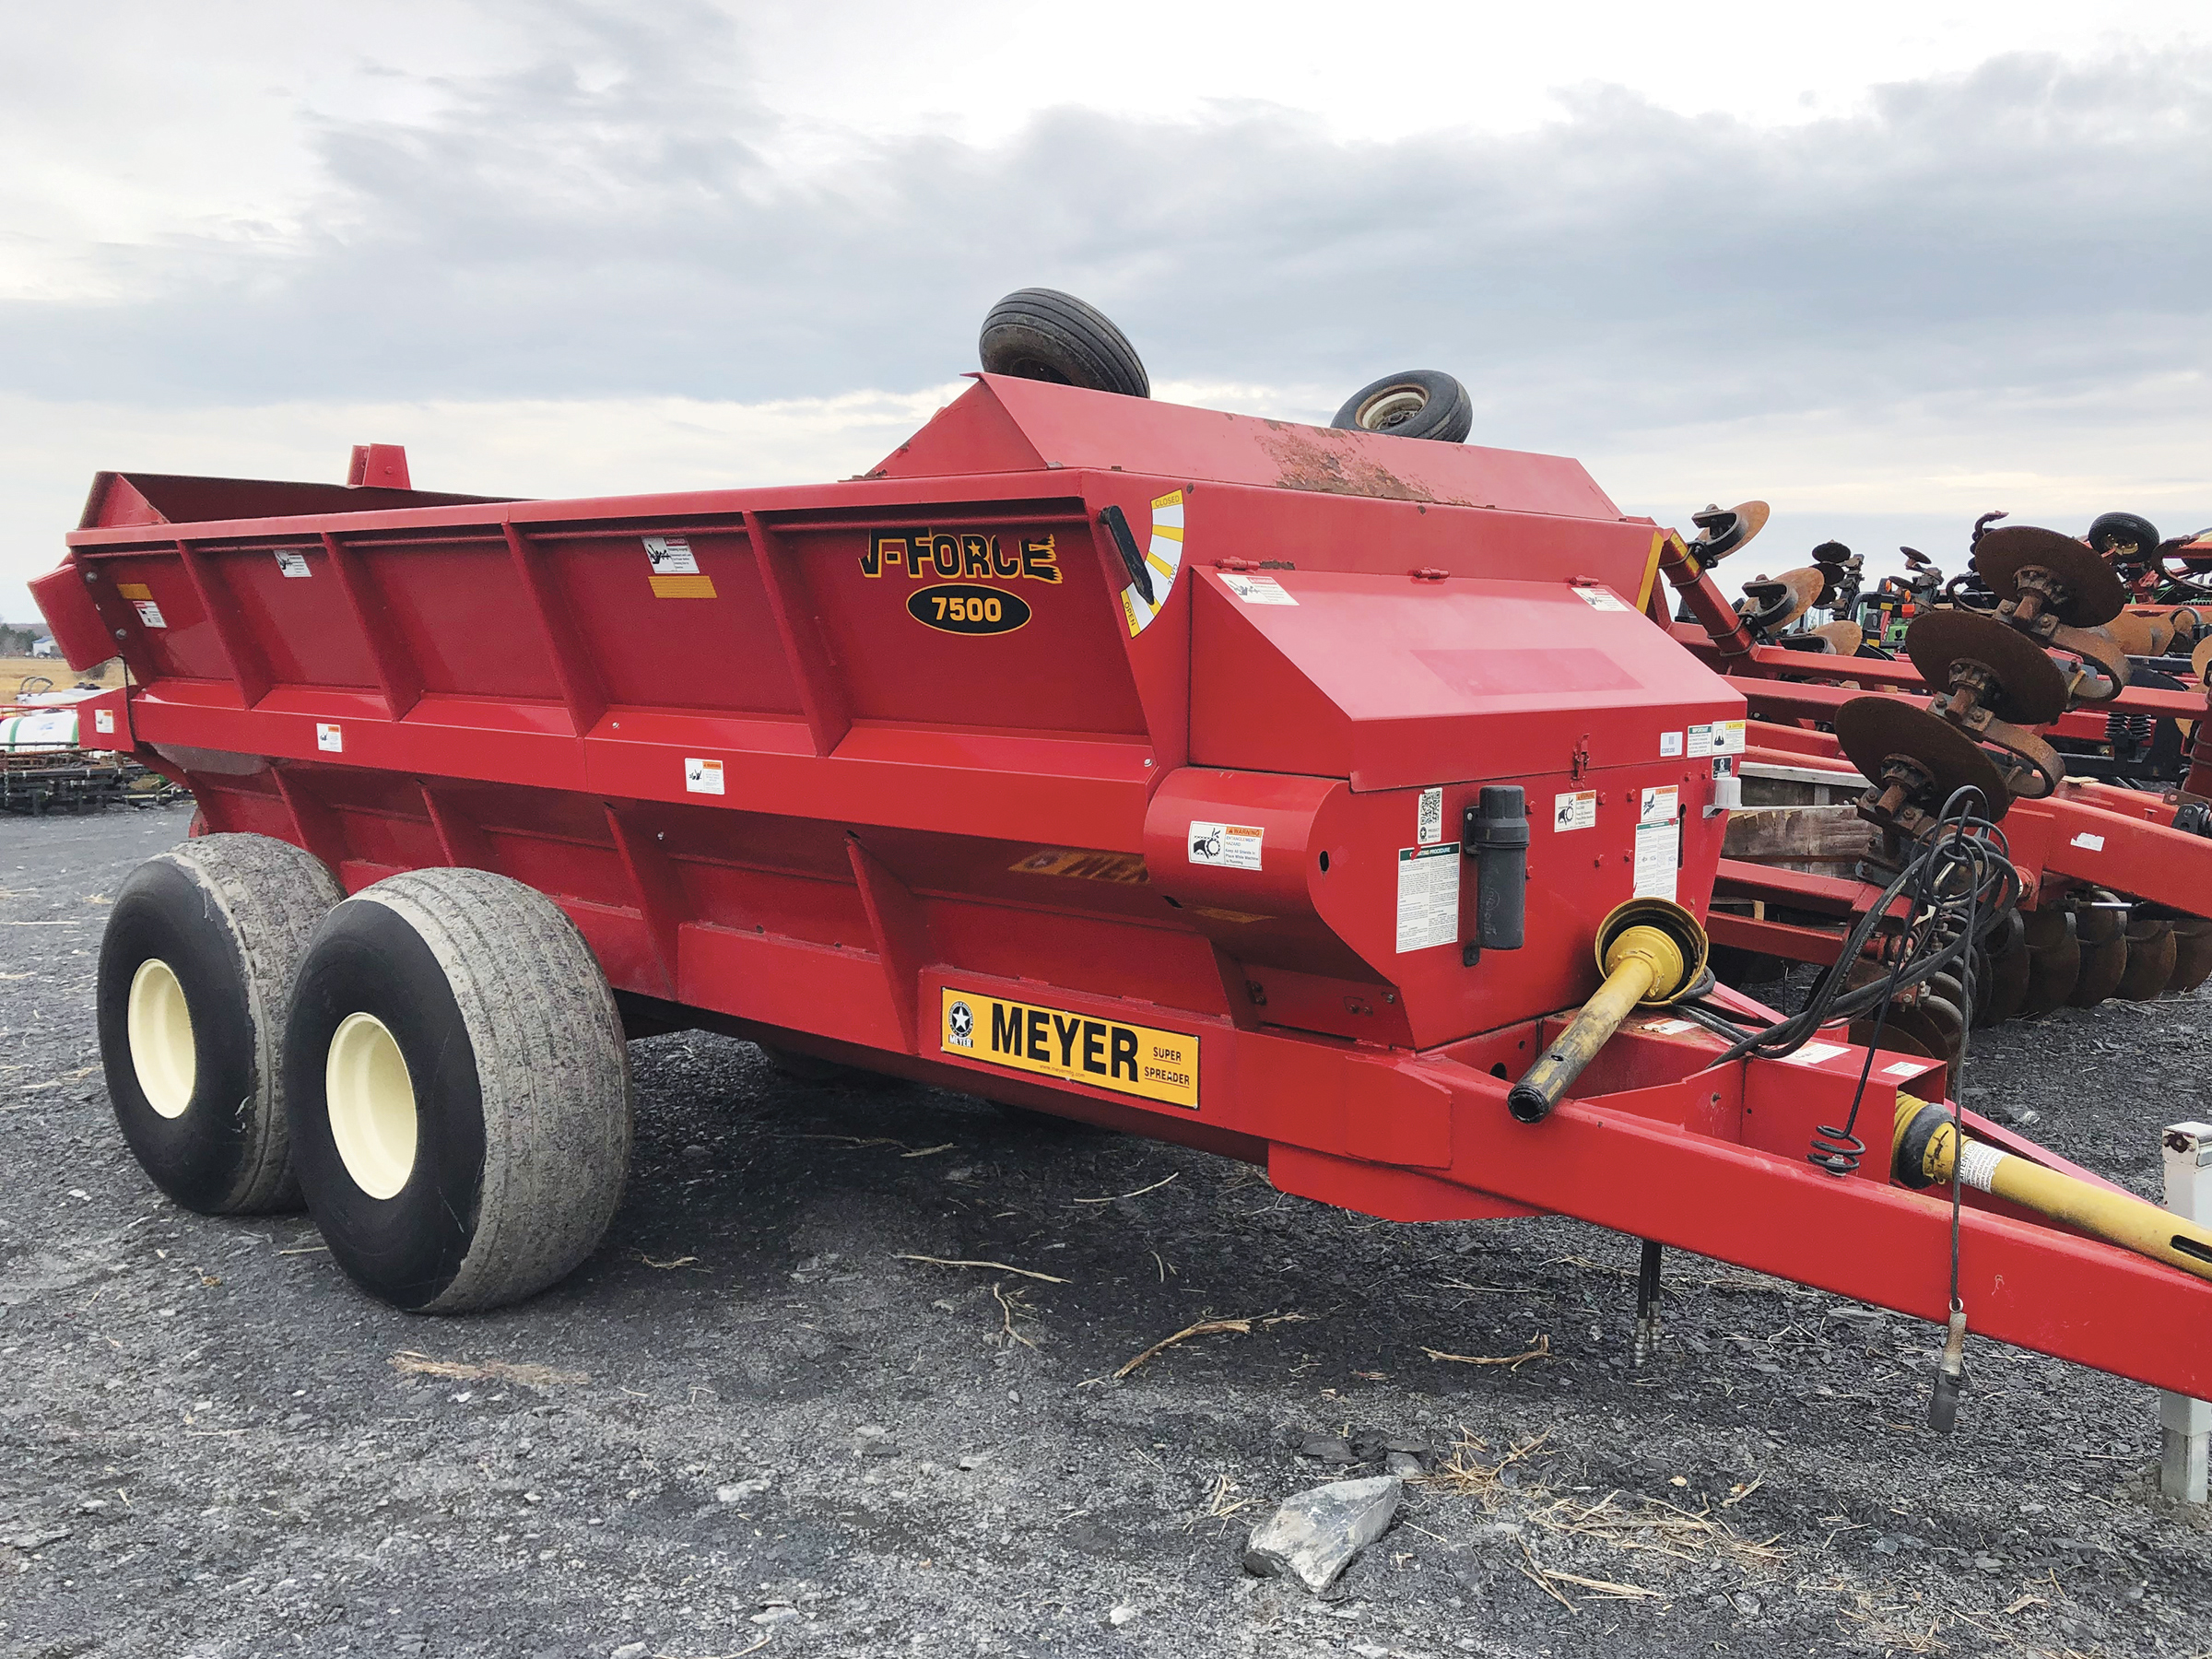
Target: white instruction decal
x=702, y=776
x=292, y=562
x=149, y=613
x=1429, y=821
x=1720, y=737
x=2092, y=843
x=1661, y=805
x=103, y=720
x=1598, y=598
x=1233, y=846
x=1668, y=1028
x=1670, y=745
x=1658, y=856
x=1428, y=896
x=1812, y=1054
x=1256, y=590
x=1576, y=811
x=328, y=738
x=671, y=556
x=1907, y=1068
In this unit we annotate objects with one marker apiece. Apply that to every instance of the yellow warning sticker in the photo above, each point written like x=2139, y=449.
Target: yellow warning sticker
x=1078, y=1048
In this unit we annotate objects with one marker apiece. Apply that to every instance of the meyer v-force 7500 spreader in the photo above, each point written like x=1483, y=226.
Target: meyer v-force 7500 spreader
x=1321, y=797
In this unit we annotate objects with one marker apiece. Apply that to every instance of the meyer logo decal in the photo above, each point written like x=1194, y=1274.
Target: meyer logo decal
x=1080, y=1047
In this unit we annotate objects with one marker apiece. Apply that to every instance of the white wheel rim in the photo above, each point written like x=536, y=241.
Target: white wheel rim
x=163, y=1054
x=1387, y=409
x=371, y=1102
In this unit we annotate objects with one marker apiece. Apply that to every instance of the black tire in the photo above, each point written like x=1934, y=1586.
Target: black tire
x=229, y=917
x=1044, y=335
x=2120, y=529
x=1421, y=403
x=489, y=1167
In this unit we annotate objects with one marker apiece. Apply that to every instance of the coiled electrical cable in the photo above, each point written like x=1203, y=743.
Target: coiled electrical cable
x=1959, y=882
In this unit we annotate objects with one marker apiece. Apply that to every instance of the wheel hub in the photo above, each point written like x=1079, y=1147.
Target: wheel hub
x=371, y=1102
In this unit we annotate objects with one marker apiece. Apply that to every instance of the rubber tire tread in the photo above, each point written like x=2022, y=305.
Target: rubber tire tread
x=267, y=896
x=552, y=1069
x=1075, y=340
x=1447, y=417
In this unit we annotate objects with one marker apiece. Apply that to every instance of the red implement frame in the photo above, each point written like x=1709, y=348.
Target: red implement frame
x=913, y=772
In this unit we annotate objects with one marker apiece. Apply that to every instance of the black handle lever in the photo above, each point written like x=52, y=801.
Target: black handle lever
x=1140, y=574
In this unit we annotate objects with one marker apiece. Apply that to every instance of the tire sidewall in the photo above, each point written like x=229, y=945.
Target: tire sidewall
x=406, y=1249
x=1446, y=417
x=206, y=1157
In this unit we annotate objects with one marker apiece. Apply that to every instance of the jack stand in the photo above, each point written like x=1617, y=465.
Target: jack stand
x=2185, y=1425
x=1647, y=1302
x=1950, y=1375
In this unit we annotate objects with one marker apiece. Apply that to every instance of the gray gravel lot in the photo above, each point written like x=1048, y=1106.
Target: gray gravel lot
x=748, y=1425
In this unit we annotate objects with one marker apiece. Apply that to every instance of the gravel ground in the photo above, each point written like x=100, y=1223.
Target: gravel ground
x=750, y=1425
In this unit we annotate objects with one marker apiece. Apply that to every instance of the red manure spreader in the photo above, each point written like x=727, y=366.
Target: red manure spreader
x=1322, y=797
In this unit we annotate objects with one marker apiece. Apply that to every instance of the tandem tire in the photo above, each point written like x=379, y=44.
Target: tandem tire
x=196, y=967
x=459, y=1089
x=1421, y=403
x=1044, y=335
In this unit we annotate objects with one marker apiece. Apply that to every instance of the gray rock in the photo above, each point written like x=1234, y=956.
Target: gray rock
x=1314, y=1536
x=632, y=1650
x=1327, y=1448
x=1404, y=1464
x=738, y=1491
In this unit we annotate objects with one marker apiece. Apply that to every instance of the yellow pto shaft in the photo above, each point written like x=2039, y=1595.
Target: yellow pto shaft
x=1926, y=1149
x=1650, y=950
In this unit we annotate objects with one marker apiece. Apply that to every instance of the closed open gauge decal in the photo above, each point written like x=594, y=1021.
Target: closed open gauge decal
x=1164, y=554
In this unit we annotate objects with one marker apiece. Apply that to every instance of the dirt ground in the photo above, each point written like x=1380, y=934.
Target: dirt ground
x=755, y=1423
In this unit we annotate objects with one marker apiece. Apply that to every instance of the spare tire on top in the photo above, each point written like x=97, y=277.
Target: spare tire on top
x=1044, y=335
x=1420, y=403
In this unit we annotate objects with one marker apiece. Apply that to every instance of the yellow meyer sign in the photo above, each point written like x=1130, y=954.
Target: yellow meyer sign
x=1079, y=1048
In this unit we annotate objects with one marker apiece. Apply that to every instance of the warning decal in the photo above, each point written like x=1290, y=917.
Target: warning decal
x=292, y=562
x=1428, y=896
x=1233, y=846
x=1078, y=1048
x=1720, y=737
x=1598, y=598
x=1576, y=811
x=1256, y=590
x=702, y=776
x=676, y=573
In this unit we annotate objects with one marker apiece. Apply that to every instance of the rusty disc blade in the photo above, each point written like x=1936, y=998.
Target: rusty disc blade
x=2150, y=959
x=2138, y=635
x=2101, y=920
x=1843, y=637
x=2191, y=954
x=2201, y=658
x=1895, y=1040
x=1872, y=729
x=1782, y=600
x=2054, y=961
x=2103, y=966
x=1938, y=1023
x=2030, y=688
x=2008, y=969
x=2093, y=593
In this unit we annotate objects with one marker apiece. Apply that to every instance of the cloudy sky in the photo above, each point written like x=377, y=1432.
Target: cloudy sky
x=1888, y=266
